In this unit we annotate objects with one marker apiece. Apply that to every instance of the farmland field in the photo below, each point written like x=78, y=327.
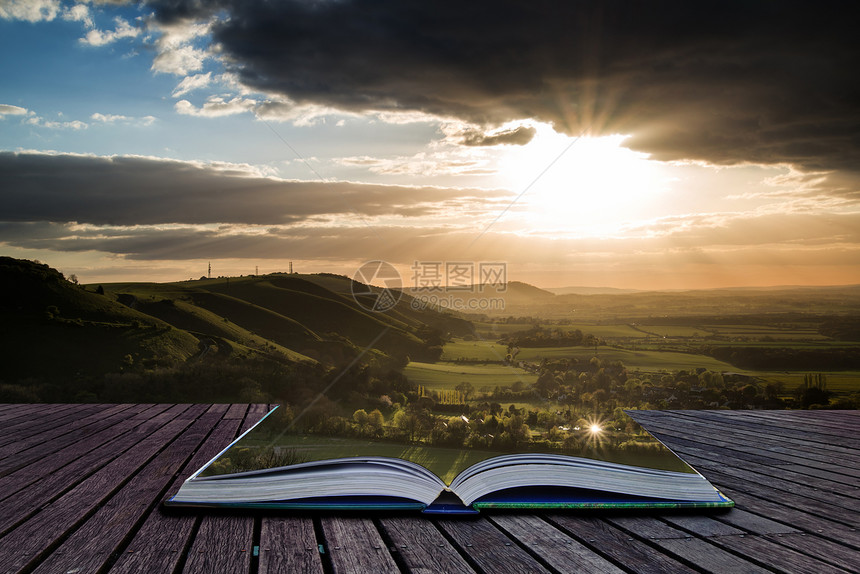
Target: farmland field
x=446, y=376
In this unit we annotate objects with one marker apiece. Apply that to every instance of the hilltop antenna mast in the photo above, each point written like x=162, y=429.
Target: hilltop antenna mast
x=209, y=274
x=291, y=267
x=256, y=269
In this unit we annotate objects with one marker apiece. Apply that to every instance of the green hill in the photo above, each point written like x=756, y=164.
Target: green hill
x=52, y=327
x=69, y=337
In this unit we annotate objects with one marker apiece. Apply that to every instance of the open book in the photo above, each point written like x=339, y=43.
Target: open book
x=268, y=467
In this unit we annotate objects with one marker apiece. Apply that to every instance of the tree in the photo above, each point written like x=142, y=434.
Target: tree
x=466, y=388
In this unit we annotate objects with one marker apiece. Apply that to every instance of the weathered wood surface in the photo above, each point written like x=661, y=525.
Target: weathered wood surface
x=81, y=488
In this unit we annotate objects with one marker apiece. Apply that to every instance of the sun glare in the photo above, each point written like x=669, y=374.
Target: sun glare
x=595, y=429
x=592, y=186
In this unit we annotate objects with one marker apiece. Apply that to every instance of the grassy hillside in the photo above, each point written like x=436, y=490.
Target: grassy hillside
x=52, y=327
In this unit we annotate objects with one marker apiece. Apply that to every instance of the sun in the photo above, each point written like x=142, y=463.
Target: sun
x=587, y=186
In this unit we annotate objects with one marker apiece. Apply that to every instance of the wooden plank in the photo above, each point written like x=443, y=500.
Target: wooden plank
x=422, y=547
x=802, y=449
x=213, y=527
x=236, y=411
x=787, y=499
x=50, y=441
x=776, y=556
x=488, y=548
x=48, y=487
x=26, y=411
x=618, y=546
x=26, y=544
x=845, y=493
x=43, y=427
x=36, y=417
x=704, y=526
x=739, y=519
x=835, y=504
x=47, y=419
x=821, y=548
x=355, y=546
x=787, y=423
x=556, y=548
x=791, y=450
x=790, y=515
x=222, y=544
x=255, y=413
x=91, y=546
x=115, y=426
x=162, y=540
x=288, y=546
x=704, y=556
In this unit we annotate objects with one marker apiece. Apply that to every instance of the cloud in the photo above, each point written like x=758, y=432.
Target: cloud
x=721, y=82
x=141, y=208
x=10, y=110
x=191, y=83
x=79, y=13
x=41, y=122
x=177, y=53
x=116, y=118
x=108, y=118
x=520, y=135
x=65, y=188
x=423, y=164
x=103, y=37
x=29, y=10
x=216, y=107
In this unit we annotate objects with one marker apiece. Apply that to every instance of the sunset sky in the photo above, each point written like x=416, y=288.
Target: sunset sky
x=643, y=145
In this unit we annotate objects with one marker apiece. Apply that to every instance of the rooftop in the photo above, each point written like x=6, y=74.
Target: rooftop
x=81, y=488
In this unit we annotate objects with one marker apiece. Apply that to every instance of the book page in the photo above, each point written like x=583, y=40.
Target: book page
x=277, y=441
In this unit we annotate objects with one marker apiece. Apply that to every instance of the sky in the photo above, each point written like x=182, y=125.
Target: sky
x=658, y=145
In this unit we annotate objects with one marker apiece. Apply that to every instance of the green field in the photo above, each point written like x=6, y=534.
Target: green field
x=473, y=351
x=844, y=382
x=633, y=360
x=446, y=376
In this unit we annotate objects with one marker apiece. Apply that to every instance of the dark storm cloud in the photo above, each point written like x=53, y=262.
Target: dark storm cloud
x=518, y=136
x=147, y=191
x=720, y=81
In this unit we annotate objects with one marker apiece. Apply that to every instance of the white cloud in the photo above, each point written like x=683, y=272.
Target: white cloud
x=176, y=52
x=115, y=118
x=52, y=125
x=79, y=13
x=29, y=10
x=191, y=83
x=103, y=37
x=216, y=107
x=424, y=164
x=298, y=114
x=10, y=110
x=108, y=118
x=179, y=61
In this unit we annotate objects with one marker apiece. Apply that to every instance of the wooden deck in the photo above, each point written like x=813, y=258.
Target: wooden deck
x=81, y=489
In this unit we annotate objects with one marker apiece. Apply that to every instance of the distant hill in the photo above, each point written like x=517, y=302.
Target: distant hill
x=483, y=298
x=574, y=290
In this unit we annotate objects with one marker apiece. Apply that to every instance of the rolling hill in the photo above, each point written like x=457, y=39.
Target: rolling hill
x=52, y=327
